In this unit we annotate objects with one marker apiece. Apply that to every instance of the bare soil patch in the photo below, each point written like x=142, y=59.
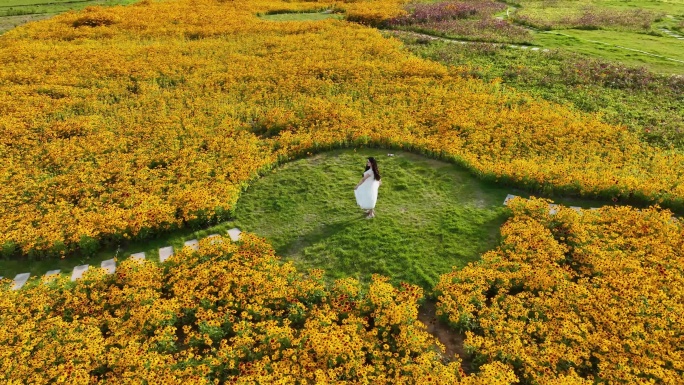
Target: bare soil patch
x=450, y=338
x=9, y=22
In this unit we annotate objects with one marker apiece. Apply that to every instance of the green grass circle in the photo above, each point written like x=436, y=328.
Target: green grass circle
x=431, y=216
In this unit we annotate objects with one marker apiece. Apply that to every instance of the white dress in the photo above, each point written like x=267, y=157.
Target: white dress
x=367, y=193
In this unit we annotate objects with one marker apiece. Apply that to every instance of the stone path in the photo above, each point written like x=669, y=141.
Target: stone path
x=166, y=252
x=449, y=40
x=109, y=265
x=524, y=47
x=671, y=34
x=553, y=208
x=20, y=280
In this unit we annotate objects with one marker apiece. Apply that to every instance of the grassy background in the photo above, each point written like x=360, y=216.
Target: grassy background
x=555, y=9
x=607, y=41
x=621, y=46
x=620, y=43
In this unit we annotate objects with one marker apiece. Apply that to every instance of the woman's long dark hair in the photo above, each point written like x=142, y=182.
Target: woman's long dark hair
x=374, y=166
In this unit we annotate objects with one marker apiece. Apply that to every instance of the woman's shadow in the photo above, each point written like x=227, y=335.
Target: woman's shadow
x=323, y=231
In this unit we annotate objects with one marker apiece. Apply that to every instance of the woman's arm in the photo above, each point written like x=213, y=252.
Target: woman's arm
x=362, y=180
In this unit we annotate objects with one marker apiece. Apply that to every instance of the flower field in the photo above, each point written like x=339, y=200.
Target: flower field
x=597, y=295
x=122, y=122
x=225, y=314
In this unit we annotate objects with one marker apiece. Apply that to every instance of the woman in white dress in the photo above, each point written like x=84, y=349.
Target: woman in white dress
x=367, y=190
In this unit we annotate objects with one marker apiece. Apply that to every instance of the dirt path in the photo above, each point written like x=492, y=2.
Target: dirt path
x=450, y=338
x=9, y=22
x=450, y=40
x=396, y=32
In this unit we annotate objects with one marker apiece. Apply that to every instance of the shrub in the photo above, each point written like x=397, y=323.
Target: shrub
x=88, y=245
x=95, y=17
x=448, y=10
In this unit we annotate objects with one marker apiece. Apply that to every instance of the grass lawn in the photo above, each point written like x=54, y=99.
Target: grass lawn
x=616, y=31
x=431, y=215
x=613, y=42
x=556, y=9
x=307, y=16
x=620, y=46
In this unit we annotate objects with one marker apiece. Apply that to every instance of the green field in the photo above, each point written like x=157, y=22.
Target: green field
x=636, y=33
x=16, y=12
x=430, y=216
x=627, y=37
x=554, y=13
x=660, y=54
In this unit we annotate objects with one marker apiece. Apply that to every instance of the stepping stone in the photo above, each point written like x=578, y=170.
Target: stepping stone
x=20, y=280
x=594, y=208
x=138, y=257
x=193, y=244
x=109, y=266
x=214, y=241
x=50, y=275
x=553, y=209
x=576, y=208
x=234, y=234
x=78, y=272
x=534, y=48
x=165, y=253
x=508, y=199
